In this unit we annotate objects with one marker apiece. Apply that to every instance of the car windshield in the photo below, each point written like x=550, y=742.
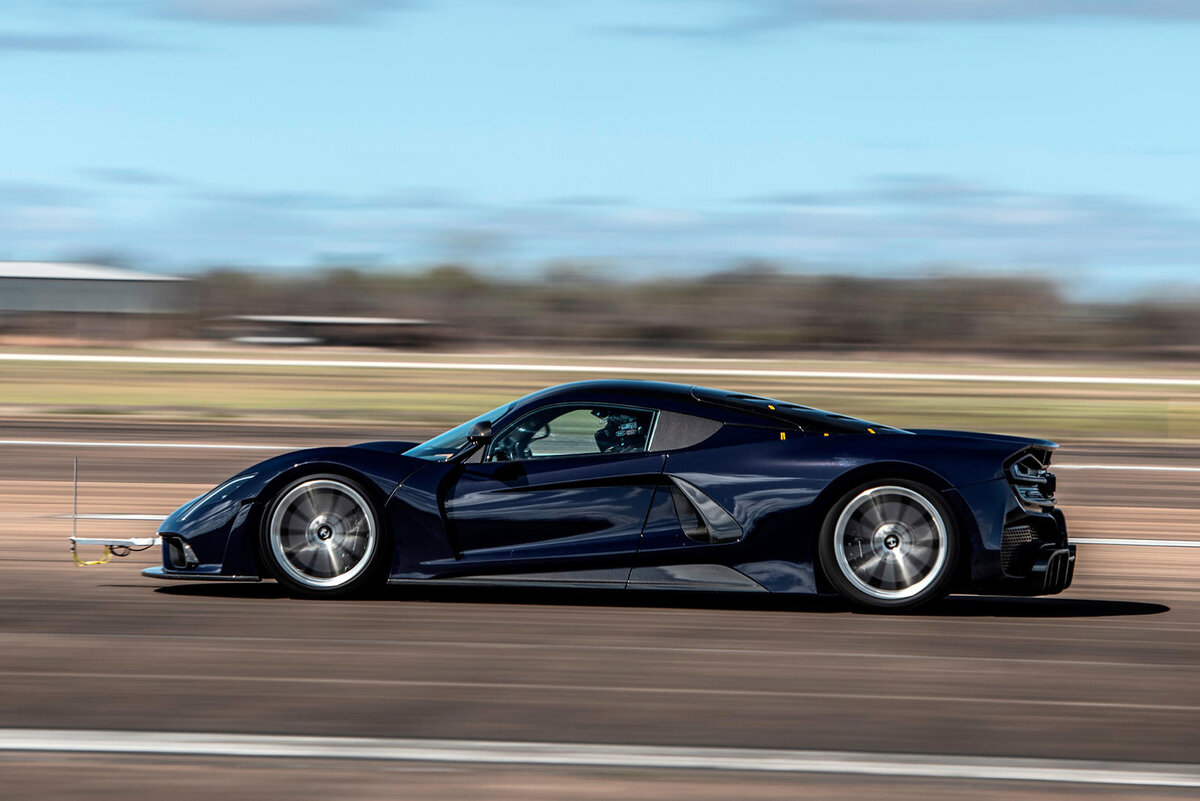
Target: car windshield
x=443, y=446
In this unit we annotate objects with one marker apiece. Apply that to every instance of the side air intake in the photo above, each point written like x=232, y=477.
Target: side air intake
x=702, y=518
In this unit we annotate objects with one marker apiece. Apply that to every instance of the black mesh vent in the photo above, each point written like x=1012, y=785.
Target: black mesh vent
x=674, y=431
x=1014, y=537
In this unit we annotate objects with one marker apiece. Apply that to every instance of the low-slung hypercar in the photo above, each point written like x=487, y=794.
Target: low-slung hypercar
x=633, y=484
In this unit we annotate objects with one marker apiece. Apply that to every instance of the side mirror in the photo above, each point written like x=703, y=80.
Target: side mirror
x=478, y=437
x=480, y=433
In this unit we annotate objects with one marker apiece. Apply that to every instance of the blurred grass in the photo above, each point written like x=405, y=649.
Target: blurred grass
x=425, y=400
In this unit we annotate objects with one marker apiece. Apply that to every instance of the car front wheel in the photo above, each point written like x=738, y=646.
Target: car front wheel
x=889, y=545
x=322, y=536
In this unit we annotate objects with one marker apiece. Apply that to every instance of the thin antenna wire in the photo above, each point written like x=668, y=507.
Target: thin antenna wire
x=74, y=495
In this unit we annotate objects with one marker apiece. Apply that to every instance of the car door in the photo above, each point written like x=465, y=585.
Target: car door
x=566, y=486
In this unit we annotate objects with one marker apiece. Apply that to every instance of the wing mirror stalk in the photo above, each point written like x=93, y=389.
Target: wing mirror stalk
x=478, y=437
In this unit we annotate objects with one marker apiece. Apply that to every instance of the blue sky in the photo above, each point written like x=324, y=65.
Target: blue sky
x=1048, y=137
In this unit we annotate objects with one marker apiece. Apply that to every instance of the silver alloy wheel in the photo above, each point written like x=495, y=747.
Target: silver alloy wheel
x=323, y=533
x=890, y=542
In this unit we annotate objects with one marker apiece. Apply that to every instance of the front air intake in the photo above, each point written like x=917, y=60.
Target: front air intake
x=1014, y=537
x=179, y=553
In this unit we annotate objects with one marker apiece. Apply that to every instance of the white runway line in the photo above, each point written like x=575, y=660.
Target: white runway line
x=215, y=446
x=1132, y=541
x=155, y=518
x=589, y=369
x=1127, y=467
x=919, y=766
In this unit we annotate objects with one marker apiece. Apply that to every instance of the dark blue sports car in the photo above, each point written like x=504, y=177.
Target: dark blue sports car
x=633, y=484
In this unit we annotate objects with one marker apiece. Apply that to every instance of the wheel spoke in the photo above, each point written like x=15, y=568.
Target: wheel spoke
x=342, y=506
x=858, y=520
x=319, y=566
x=307, y=555
x=353, y=545
x=912, y=516
x=925, y=535
x=886, y=574
x=877, y=512
x=882, y=568
x=864, y=561
x=893, y=509
x=924, y=555
x=295, y=525
x=358, y=517
x=310, y=498
x=334, y=559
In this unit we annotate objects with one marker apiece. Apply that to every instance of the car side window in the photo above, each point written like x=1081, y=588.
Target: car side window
x=574, y=430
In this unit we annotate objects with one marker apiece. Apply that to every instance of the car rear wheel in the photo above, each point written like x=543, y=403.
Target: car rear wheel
x=889, y=545
x=322, y=536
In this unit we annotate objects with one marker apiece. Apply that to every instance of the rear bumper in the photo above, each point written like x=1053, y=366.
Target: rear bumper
x=1057, y=570
x=1052, y=571
x=1036, y=557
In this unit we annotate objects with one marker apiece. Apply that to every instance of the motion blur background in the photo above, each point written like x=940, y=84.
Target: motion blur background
x=286, y=222
x=983, y=184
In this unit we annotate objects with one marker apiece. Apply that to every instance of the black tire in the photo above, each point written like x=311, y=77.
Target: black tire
x=323, y=536
x=890, y=544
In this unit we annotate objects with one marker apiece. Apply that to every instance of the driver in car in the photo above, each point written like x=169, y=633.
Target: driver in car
x=622, y=432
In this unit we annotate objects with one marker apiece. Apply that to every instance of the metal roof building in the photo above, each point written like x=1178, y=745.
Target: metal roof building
x=34, y=287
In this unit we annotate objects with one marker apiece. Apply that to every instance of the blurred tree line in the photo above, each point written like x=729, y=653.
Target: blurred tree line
x=753, y=307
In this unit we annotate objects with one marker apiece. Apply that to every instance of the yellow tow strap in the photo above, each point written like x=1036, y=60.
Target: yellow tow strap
x=103, y=560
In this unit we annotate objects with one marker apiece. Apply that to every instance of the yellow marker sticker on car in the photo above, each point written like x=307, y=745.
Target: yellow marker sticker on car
x=769, y=406
x=871, y=430
x=827, y=433
x=783, y=435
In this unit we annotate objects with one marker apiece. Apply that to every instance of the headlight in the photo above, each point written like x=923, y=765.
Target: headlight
x=1032, y=482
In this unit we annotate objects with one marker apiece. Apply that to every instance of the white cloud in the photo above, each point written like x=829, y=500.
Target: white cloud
x=276, y=12
x=741, y=18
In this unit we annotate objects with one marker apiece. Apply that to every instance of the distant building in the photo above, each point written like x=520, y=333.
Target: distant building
x=285, y=329
x=62, y=299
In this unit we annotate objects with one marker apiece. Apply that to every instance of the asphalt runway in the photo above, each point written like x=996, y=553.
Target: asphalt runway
x=1109, y=671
